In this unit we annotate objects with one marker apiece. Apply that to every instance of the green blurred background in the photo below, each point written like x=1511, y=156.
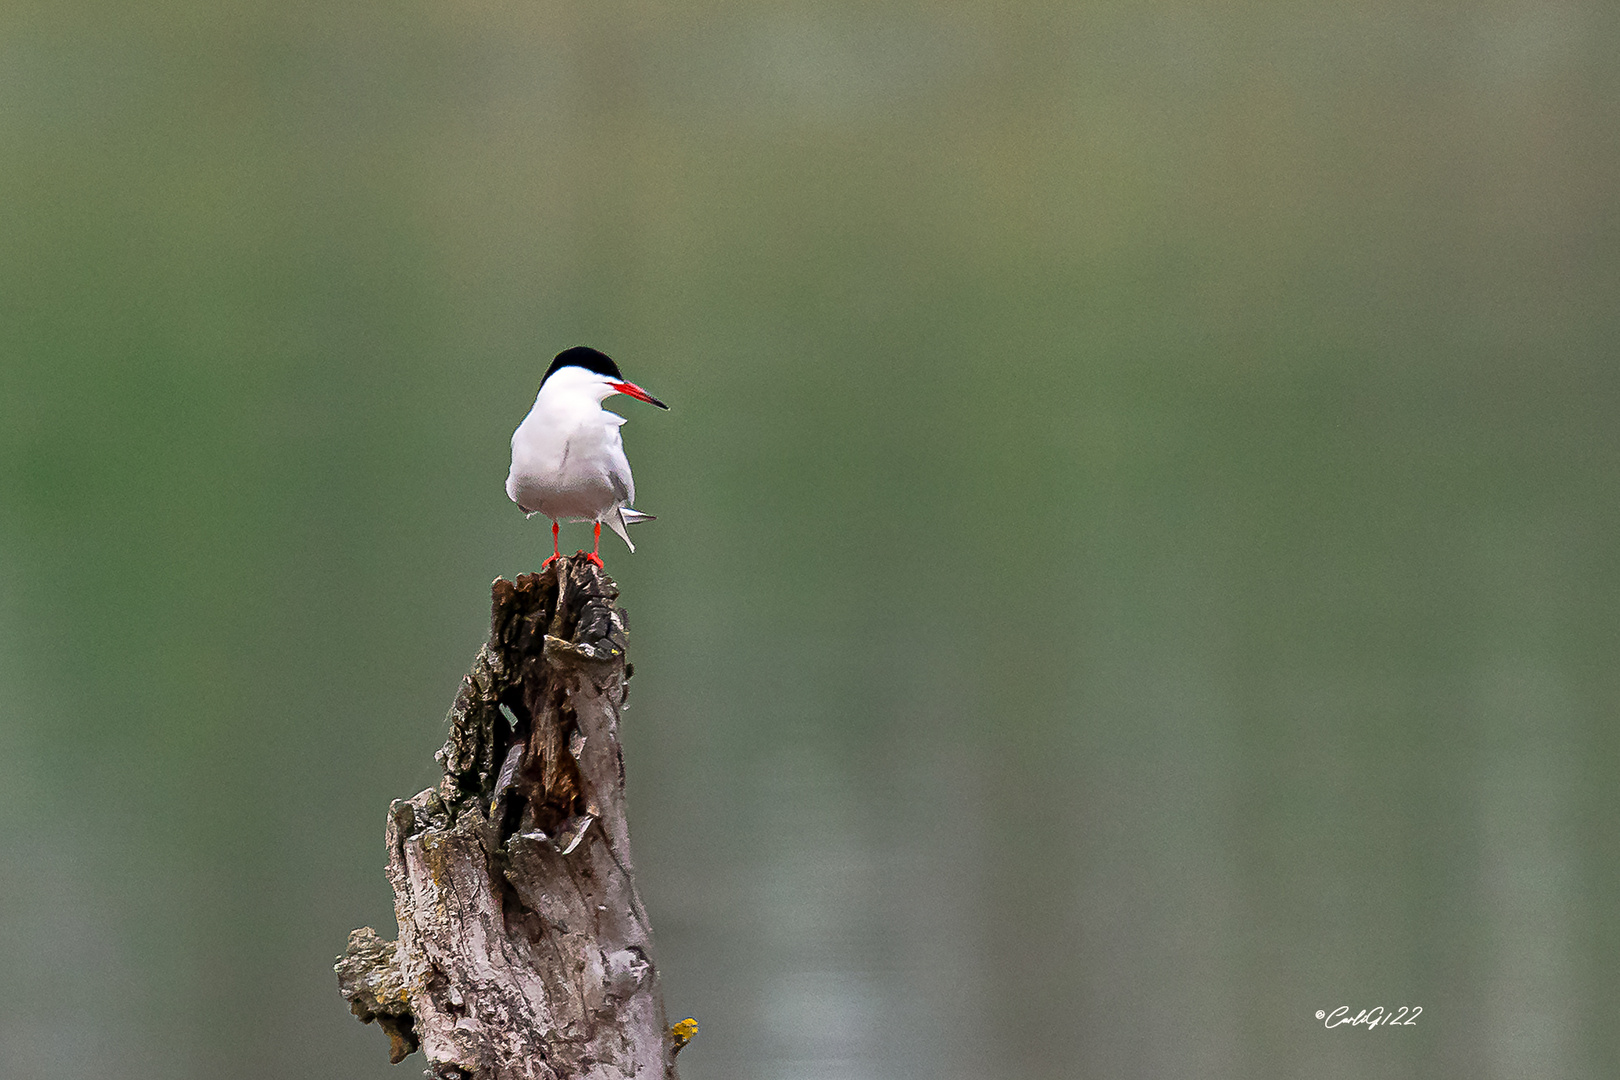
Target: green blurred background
x=1136, y=559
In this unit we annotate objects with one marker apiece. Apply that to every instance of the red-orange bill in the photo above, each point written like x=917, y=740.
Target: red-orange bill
x=637, y=392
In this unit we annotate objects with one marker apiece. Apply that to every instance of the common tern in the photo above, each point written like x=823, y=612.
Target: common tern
x=568, y=459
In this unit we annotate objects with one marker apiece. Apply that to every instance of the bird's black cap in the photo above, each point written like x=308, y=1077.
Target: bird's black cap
x=583, y=356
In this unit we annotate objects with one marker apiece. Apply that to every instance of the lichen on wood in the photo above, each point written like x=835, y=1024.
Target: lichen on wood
x=524, y=952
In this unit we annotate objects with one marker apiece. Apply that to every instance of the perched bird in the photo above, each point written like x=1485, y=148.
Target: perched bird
x=568, y=460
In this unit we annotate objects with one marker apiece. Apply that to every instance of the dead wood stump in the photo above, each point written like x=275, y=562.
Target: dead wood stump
x=524, y=952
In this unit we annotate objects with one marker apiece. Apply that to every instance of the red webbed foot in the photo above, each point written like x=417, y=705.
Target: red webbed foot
x=556, y=552
x=594, y=556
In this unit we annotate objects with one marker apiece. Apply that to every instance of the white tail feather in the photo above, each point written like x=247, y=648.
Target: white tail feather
x=619, y=517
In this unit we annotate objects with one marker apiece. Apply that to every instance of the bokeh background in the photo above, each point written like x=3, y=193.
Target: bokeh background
x=1136, y=559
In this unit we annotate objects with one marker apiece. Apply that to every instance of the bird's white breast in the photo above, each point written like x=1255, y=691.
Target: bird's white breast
x=568, y=459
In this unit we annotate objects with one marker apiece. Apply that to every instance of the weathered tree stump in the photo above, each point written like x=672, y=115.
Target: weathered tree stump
x=524, y=952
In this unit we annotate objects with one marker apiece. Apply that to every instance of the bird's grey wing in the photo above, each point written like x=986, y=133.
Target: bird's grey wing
x=618, y=469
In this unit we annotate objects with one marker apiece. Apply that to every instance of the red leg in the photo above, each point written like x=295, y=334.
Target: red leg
x=596, y=553
x=556, y=552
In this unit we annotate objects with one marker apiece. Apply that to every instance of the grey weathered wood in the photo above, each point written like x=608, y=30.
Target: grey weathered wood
x=524, y=952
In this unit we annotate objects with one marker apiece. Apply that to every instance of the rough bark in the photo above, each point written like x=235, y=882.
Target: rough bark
x=524, y=952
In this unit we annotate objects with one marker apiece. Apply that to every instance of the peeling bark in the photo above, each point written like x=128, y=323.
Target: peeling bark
x=524, y=952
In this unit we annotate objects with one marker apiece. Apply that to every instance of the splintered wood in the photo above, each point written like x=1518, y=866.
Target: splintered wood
x=524, y=952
